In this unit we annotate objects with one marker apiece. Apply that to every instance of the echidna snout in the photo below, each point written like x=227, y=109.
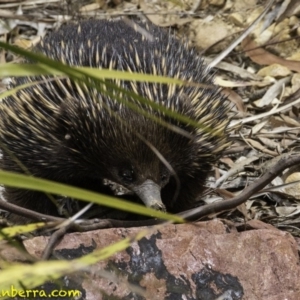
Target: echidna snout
x=149, y=193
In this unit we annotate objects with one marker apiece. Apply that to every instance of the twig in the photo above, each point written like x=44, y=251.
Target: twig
x=279, y=164
x=27, y=213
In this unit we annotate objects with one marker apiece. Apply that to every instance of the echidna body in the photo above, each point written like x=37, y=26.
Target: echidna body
x=70, y=133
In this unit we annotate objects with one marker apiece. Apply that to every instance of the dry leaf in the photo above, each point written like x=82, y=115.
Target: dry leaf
x=263, y=57
x=274, y=70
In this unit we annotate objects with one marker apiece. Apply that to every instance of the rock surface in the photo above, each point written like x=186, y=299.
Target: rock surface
x=206, y=260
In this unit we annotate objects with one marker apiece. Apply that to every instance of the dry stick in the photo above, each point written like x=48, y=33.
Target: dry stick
x=24, y=212
x=86, y=225
x=89, y=225
x=279, y=164
x=53, y=241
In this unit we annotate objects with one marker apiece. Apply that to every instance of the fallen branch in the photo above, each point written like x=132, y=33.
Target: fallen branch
x=278, y=165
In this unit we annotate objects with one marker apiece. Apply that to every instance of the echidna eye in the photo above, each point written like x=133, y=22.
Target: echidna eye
x=127, y=175
x=164, y=176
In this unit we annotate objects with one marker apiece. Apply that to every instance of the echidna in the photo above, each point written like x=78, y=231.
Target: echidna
x=73, y=134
